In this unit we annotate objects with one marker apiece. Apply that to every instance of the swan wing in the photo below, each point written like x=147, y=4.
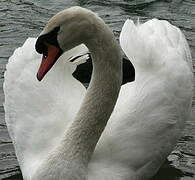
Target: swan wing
x=151, y=111
x=37, y=113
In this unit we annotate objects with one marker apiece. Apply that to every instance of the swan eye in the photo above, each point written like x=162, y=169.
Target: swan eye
x=45, y=50
x=44, y=55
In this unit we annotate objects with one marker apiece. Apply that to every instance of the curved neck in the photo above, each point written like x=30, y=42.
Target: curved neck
x=83, y=134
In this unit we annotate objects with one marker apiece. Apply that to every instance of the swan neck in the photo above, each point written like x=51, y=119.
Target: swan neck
x=85, y=131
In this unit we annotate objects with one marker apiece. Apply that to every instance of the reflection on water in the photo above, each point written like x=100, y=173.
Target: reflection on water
x=20, y=19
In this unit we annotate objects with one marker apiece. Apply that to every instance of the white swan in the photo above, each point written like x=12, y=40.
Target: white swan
x=54, y=141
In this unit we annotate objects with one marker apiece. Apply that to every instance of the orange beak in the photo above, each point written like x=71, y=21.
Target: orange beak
x=48, y=60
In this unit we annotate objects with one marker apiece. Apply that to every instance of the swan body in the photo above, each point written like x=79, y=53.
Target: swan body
x=151, y=111
x=45, y=118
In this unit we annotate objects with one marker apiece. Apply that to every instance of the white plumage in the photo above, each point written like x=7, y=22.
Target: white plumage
x=36, y=119
x=145, y=125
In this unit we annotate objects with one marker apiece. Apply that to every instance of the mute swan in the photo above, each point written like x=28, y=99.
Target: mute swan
x=55, y=124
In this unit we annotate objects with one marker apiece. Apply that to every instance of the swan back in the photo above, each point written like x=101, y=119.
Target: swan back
x=37, y=114
x=154, y=44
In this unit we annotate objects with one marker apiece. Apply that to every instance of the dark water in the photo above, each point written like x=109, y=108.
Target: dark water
x=20, y=19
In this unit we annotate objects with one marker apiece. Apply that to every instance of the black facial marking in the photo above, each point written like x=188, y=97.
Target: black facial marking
x=50, y=38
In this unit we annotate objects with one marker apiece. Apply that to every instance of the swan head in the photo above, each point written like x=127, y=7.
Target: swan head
x=64, y=31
